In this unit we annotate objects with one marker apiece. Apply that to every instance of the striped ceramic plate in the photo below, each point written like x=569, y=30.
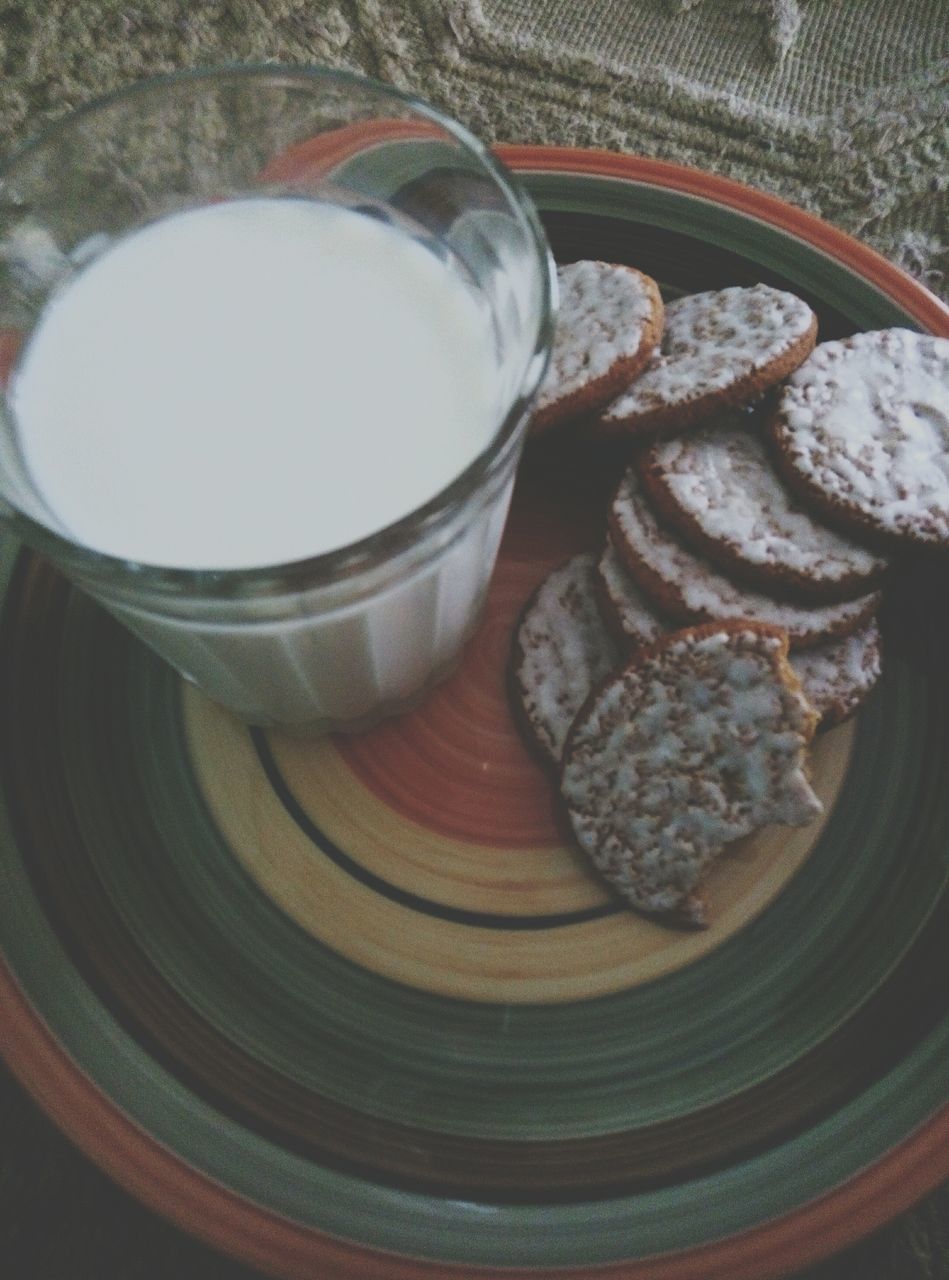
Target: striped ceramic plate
x=356, y=1009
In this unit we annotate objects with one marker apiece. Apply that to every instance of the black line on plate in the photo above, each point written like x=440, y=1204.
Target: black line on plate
x=426, y=906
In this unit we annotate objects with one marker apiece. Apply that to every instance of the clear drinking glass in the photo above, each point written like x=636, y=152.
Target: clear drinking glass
x=346, y=637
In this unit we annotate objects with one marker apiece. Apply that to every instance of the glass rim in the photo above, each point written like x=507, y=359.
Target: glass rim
x=374, y=550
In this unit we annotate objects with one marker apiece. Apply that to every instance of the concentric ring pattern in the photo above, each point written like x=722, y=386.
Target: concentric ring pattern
x=368, y=986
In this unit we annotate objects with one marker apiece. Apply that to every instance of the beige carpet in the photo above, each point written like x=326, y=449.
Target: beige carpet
x=837, y=105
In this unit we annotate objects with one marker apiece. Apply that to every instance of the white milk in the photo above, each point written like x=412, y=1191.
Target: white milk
x=256, y=382
x=251, y=383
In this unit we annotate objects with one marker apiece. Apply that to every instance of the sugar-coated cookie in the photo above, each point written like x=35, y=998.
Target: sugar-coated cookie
x=561, y=648
x=835, y=676
x=862, y=432
x=698, y=741
x=721, y=348
x=609, y=321
x=717, y=488
x=686, y=587
x=623, y=605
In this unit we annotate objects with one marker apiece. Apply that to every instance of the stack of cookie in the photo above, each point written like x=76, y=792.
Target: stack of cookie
x=767, y=483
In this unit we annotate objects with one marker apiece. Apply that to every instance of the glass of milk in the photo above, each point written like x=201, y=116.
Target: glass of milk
x=271, y=340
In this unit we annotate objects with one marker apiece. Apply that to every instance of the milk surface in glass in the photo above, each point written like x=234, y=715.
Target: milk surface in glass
x=256, y=382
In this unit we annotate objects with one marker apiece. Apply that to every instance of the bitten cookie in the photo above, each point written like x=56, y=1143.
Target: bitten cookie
x=698, y=741
x=721, y=348
x=717, y=488
x=561, y=648
x=835, y=676
x=687, y=588
x=862, y=432
x=608, y=324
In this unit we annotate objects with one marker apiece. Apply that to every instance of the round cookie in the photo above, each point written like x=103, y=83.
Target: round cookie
x=716, y=487
x=561, y=648
x=720, y=348
x=687, y=588
x=862, y=432
x=698, y=741
x=835, y=676
x=622, y=604
x=609, y=320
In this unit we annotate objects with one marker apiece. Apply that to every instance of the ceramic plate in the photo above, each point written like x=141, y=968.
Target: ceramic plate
x=356, y=1008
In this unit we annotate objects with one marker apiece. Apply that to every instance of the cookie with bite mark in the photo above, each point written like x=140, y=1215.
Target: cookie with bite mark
x=698, y=741
x=721, y=348
x=609, y=321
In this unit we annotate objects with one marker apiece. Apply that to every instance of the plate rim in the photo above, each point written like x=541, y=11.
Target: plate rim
x=229, y=1221
x=166, y=1183
x=911, y=295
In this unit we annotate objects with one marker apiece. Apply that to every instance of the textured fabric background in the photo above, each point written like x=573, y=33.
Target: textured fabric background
x=837, y=105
